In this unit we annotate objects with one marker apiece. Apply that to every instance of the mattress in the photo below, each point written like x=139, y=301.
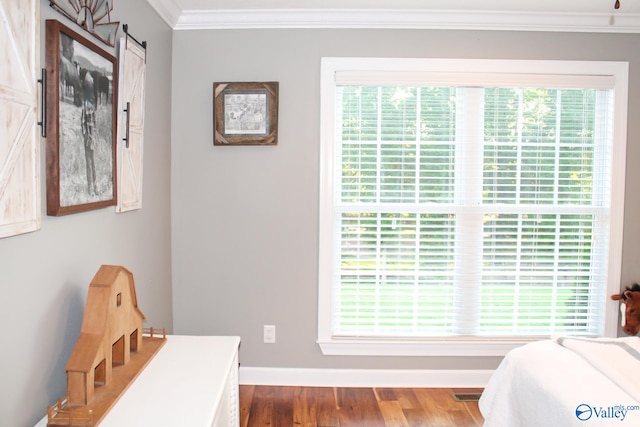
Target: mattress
x=565, y=382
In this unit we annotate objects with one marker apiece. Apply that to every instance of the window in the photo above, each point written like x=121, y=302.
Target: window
x=468, y=206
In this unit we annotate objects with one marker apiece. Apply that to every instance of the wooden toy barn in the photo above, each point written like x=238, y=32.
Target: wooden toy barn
x=111, y=330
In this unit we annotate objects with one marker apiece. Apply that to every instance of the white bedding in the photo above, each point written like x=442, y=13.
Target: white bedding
x=546, y=384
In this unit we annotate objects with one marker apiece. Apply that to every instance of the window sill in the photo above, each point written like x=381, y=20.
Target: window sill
x=431, y=347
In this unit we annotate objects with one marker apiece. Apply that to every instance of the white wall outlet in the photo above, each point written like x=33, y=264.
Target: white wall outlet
x=269, y=334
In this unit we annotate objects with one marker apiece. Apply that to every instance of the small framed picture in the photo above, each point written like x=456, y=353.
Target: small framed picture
x=245, y=113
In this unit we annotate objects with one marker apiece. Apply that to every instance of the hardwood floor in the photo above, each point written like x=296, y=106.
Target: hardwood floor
x=280, y=406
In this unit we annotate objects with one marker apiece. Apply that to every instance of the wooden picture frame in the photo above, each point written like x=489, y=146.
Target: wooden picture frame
x=81, y=122
x=245, y=113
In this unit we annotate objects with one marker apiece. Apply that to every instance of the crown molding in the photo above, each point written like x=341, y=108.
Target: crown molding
x=512, y=20
x=169, y=11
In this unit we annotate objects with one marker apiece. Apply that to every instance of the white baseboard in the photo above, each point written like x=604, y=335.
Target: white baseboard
x=432, y=378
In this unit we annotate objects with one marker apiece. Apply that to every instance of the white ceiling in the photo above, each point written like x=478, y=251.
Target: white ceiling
x=530, y=15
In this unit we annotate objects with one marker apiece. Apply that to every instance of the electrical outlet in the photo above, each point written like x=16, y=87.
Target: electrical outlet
x=269, y=334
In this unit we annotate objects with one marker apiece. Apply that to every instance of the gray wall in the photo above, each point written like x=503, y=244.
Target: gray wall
x=245, y=221
x=44, y=276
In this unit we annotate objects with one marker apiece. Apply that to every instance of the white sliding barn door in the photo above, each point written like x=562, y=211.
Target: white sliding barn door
x=131, y=89
x=19, y=133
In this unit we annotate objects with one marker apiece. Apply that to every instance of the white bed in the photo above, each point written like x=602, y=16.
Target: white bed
x=566, y=382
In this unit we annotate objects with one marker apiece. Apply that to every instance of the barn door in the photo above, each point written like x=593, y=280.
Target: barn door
x=19, y=136
x=130, y=142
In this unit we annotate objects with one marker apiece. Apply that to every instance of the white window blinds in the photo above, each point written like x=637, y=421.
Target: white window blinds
x=468, y=210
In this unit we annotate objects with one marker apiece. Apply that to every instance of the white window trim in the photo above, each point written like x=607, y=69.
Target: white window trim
x=411, y=67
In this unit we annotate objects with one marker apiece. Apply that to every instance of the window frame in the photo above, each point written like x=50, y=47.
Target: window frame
x=482, y=72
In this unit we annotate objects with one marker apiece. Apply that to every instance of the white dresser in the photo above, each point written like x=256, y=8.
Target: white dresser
x=192, y=381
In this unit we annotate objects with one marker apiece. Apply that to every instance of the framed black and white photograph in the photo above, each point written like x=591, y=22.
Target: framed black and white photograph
x=81, y=122
x=245, y=113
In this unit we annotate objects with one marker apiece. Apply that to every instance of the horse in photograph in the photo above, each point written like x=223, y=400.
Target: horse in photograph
x=69, y=81
x=101, y=87
x=630, y=302
x=88, y=124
